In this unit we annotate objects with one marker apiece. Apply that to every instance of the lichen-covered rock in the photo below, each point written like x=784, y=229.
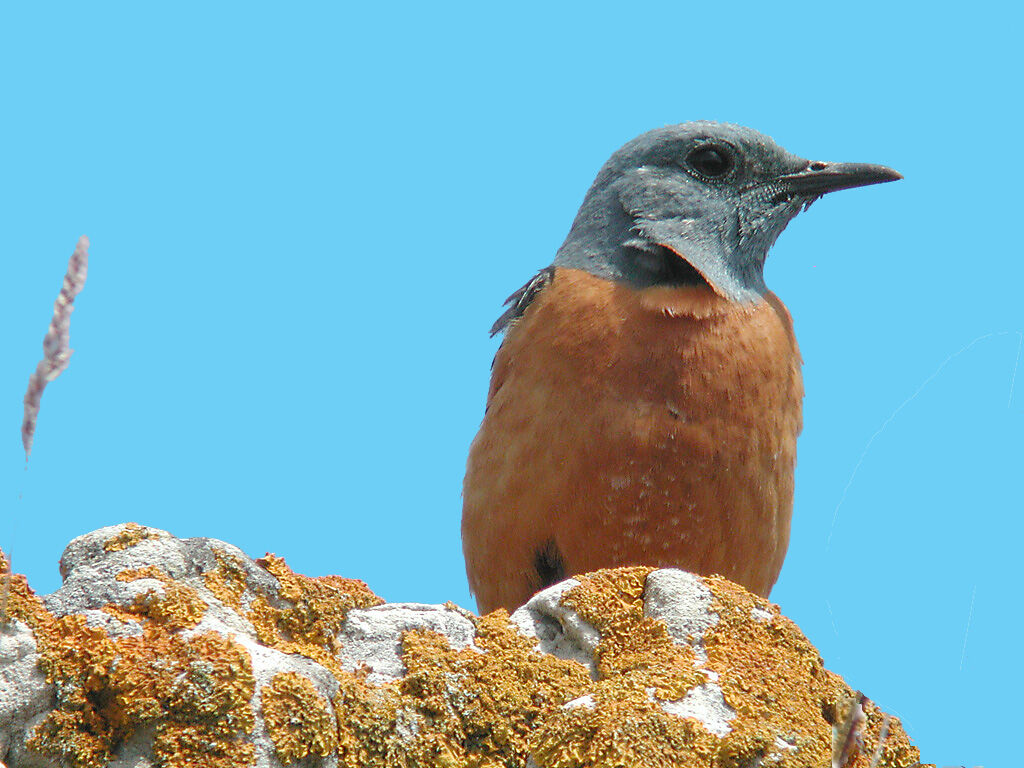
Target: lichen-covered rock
x=164, y=652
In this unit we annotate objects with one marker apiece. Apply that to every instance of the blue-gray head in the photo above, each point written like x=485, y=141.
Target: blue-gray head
x=699, y=201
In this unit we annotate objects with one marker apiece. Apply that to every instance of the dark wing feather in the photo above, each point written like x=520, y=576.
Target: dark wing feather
x=520, y=300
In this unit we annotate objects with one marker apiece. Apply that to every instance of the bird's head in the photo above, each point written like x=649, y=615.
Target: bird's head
x=699, y=201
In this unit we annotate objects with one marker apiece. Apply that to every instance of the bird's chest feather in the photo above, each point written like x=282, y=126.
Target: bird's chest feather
x=651, y=374
x=655, y=426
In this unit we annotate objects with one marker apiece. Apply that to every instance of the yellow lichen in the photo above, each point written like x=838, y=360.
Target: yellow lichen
x=213, y=683
x=227, y=581
x=77, y=659
x=457, y=708
x=464, y=708
x=316, y=615
x=64, y=737
x=130, y=535
x=208, y=745
x=195, y=691
x=19, y=601
x=636, y=653
x=777, y=683
x=487, y=704
x=638, y=666
x=367, y=721
x=178, y=607
x=298, y=719
x=627, y=733
x=770, y=674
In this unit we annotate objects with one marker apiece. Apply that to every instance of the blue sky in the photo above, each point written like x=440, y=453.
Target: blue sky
x=305, y=218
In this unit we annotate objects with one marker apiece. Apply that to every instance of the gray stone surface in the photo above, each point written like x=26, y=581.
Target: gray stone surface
x=373, y=636
x=559, y=630
x=24, y=693
x=683, y=601
x=706, y=704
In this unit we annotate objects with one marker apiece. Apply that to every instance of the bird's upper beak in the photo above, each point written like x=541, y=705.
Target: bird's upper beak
x=819, y=178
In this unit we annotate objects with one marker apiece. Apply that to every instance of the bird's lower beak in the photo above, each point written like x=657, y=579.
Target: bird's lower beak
x=819, y=178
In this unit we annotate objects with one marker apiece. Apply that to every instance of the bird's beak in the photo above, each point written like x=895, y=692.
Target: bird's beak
x=820, y=178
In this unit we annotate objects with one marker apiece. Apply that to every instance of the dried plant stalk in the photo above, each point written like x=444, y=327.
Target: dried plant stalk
x=881, y=741
x=847, y=733
x=56, y=349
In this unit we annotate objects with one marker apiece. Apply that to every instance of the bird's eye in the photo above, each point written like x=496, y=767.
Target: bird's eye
x=710, y=160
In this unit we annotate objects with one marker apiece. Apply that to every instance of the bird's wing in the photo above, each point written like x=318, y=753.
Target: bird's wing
x=520, y=300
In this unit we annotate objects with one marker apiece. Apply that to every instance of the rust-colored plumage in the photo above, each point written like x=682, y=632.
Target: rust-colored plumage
x=628, y=426
x=645, y=403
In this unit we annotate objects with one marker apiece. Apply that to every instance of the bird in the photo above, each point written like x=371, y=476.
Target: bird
x=646, y=398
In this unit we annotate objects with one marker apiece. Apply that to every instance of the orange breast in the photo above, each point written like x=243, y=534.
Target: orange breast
x=624, y=427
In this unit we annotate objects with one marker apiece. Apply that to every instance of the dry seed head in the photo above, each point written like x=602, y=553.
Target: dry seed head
x=56, y=344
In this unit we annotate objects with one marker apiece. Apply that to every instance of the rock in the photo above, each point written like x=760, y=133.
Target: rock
x=160, y=652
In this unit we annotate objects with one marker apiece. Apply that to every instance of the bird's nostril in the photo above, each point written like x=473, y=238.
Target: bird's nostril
x=816, y=166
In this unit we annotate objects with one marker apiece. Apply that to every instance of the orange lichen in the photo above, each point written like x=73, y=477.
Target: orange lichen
x=227, y=581
x=178, y=607
x=455, y=707
x=213, y=683
x=19, y=601
x=636, y=652
x=495, y=708
x=208, y=745
x=298, y=719
x=629, y=732
x=638, y=666
x=78, y=660
x=130, y=535
x=319, y=606
x=195, y=692
x=208, y=707
x=367, y=721
x=777, y=683
x=488, y=706
x=65, y=737
x=769, y=673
